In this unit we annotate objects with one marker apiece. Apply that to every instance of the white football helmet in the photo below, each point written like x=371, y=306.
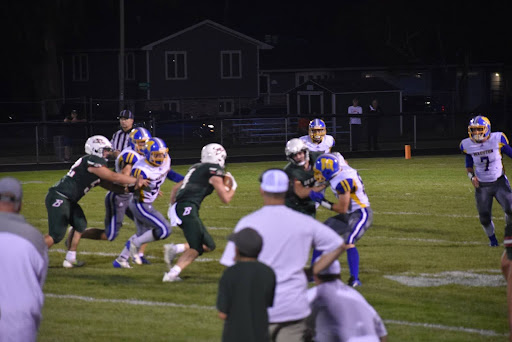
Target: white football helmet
x=295, y=146
x=214, y=153
x=96, y=144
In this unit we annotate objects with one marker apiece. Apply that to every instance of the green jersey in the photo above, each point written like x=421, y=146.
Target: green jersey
x=196, y=184
x=78, y=181
x=306, y=178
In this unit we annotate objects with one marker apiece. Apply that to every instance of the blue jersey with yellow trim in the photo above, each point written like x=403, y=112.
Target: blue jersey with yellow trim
x=487, y=159
x=156, y=175
x=127, y=156
x=348, y=180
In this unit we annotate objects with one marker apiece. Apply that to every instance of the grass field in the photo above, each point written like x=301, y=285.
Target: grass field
x=426, y=265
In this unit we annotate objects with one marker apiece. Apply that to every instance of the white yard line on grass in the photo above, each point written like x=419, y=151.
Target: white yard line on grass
x=114, y=255
x=204, y=307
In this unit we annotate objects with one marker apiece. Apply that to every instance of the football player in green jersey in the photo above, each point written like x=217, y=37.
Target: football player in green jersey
x=199, y=182
x=300, y=172
x=62, y=198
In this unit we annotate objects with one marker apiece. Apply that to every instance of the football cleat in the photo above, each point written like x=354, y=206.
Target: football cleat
x=121, y=263
x=155, y=151
x=169, y=253
x=169, y=278
x=353, y=282
x=493, y=242
x=317, y=130
x=214, y=153
x=144, y=260
x=72, y=264
x=479, y=129
x=134, y=251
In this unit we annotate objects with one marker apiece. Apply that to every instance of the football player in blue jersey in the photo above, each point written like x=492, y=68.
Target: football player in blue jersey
x=318, y=140
x=150, y=223
x=484, y=167
x=353, y=207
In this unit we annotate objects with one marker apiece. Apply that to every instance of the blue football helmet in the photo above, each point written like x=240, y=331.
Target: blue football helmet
x=479, y=129
x=137, y=139
x=317, y=130
x=326, y=167
x=155, y=151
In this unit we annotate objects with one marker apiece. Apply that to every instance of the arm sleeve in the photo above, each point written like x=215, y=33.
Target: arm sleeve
x=469, y=161
x=174, y=176
x=345, y=186
x=506, y=149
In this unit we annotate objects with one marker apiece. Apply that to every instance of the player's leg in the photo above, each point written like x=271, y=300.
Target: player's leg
x=58, y=209
x=484, y=195
x=359, y=221
x=79, y=223
x=504, y=198
x=339, y=224
x=192, y=227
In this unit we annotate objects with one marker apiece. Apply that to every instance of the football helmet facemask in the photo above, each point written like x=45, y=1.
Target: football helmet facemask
x=326, y=167
x=479, y=128
x=214, y=153
x=293, y=147
x=317, y=130
x=137, y=139
x=96, y=145
x=155, y=151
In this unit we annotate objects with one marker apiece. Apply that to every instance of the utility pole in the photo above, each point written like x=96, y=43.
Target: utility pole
x=121, y=54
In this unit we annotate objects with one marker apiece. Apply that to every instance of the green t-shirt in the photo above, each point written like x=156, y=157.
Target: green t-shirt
x=246, y=290
x=78, y=181
x=196, y=184
x=307, y=179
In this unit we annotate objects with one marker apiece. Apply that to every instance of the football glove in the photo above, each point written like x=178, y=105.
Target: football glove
x=316, y=196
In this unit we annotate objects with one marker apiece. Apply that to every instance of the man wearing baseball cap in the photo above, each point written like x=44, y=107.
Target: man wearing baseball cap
x=23, y=273
x=288, y=236
x=246, y=290
x=341, y=313
x=120, y=138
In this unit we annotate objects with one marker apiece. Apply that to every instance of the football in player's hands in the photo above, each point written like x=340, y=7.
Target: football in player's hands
x=228, y=182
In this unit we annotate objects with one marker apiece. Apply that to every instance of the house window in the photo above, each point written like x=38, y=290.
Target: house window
x=129, y=67
x=175, y=65
x=80, y=68
x=264, y=84
x=231, y=64
x=172, y=106
x=226, y=106
x=302, y=77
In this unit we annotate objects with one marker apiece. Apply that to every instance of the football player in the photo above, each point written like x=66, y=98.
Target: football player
x=484, y=167
x=151, y=225
x=353, y=207
x=62, y=198
x=300, y=172
x=318, y=140
x=116, y=205
x=200, y=181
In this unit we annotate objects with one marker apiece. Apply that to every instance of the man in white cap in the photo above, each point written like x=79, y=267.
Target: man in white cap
x=340, y=313
x=23, y=273
x=287, y=239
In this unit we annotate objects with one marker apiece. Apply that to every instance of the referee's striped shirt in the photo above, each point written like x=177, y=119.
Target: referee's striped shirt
x=120, y=140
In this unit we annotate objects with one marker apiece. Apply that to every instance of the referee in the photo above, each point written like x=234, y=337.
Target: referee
x=120, y=138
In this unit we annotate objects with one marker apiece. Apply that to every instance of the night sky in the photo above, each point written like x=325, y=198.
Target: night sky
x=316, y=34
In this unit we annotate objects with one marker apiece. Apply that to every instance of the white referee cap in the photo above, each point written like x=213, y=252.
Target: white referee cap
x=274, y=181
x=334, y=268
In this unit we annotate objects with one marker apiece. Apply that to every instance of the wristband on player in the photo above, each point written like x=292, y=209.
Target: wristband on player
x=471, y=175
x=326, y=204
